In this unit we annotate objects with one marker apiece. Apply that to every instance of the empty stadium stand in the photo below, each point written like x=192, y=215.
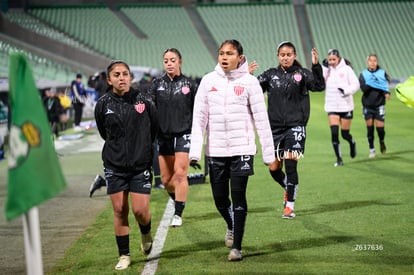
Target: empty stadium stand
x=355, y=28
x=358, y=29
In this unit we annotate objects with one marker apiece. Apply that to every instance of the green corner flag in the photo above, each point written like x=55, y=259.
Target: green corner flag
x=34, y=170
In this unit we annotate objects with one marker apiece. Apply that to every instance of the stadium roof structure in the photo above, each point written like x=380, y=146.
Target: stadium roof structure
x=40, y=84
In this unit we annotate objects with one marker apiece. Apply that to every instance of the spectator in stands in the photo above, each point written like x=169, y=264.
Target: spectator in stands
x=230, y=106
x=173, y=93
x=66, y=104
x=341, y=84
x=128, y=124
x=53, y=108
x=100, y=85
x=4, y=125
x=78, y=96
x=374, y=82
x=288, y=86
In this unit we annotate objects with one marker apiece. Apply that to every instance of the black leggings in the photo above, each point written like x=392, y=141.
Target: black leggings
x=78, y=107
x=221, y=191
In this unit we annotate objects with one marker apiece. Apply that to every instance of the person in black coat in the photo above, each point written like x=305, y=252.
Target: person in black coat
x=128, y=124
x=53, y=108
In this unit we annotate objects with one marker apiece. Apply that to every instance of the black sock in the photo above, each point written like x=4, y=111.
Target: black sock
x=370, y=136
x=239, y=224
x=335, y=141
x=172, y=196
x=292, y=179
x=227, y=214
x=337, y=150
x=145, y=229
x=347, y=136
x=381, y=133
x=179, y=207
x=238, y=194
x=279, y=177
x=123, y=245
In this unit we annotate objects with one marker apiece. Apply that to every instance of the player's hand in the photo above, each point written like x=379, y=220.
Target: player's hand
x=253, y=66
x=315, y=58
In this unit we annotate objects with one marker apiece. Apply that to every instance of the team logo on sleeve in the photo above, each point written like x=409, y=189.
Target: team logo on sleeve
x=140, y=107
x=185, y=90
x=238, y=90
x=297, y=77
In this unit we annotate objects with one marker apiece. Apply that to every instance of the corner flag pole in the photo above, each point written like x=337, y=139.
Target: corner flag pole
x=32, y=244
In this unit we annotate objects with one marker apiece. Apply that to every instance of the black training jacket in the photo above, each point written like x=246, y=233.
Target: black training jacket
x=128, y=124
x=288, y=93
x=371, y=97
x=174, y=100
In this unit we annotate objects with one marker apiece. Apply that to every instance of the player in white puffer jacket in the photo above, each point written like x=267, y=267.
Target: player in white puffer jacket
x=229, y=106
x=341, y=84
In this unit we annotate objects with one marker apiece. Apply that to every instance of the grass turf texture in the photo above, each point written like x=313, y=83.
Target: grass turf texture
x=355, y=219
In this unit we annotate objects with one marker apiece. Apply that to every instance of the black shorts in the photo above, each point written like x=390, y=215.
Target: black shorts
x=169, y=146
x=377, y=113
x=289, y=140
x=140, y=183
x=222, y=168
x=345, y=115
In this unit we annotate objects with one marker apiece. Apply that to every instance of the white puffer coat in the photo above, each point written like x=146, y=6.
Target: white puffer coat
x=230, y=106
x=342, y=76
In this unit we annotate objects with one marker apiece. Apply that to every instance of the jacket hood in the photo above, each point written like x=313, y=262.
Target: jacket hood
x=241, y=70
x=341, y=63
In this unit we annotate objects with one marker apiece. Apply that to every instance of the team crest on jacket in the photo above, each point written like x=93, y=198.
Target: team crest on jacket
x=213, y=89
x=185, y=90
x=297, y=77
x=140, y=107
x=238, y=90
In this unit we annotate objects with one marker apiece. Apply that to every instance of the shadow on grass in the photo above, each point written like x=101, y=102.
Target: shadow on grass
x=281, y=247
x=183, y=251
x=324, y=208
x=383, y=157
x=195, y=218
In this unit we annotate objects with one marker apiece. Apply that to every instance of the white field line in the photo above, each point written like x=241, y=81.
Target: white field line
x=151, y=266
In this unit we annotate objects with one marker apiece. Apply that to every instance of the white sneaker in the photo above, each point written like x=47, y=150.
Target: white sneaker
x=371, y=154
x=124, y=262
x=228, y=238
x=146, y=243
x=176, y=221
x=235, y=255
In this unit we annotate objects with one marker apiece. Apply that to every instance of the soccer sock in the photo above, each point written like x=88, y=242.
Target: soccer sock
x=335, y=141
x=370, y=136
x=123, y=244
x=240, y=213
x=226, y=212
x=239, y=223
x=337, y=149
x=172, y=196
x=145, y=229
x=179, y=207
x=347, y=136
x=292, y=179
x=238, y=195
x=381, y=133
x=279, y=177
x=291, y=205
